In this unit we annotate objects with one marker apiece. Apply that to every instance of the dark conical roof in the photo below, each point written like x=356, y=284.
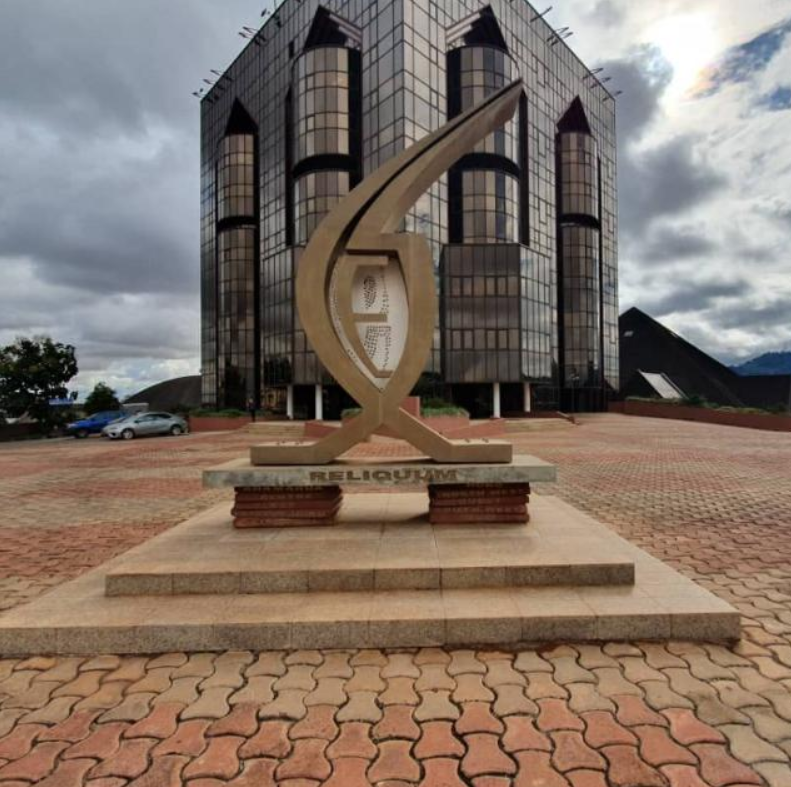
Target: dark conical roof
x=239, y=121
x=575, y=120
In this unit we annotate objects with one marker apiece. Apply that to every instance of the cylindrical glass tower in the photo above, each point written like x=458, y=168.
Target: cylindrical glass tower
x=485, y=184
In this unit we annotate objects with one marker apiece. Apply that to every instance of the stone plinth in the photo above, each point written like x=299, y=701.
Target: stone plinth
x=300, y=496
x=285, y=507
x=241, y=473
x=478, y=503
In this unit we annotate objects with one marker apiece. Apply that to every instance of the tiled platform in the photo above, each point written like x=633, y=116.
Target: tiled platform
x=79, y=618
x=383, y=542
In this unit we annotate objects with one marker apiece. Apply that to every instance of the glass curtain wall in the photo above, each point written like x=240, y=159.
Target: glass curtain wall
x=237, y=330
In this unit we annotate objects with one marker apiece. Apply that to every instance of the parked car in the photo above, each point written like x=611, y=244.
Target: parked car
x=94, y=424
x=145, y=424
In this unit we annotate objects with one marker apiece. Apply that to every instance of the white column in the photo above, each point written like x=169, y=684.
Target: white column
x=319, y=403
x=496, y=397
x=528, y=405
x=290, y=402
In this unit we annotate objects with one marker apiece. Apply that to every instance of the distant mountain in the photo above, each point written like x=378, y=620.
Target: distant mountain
x=768, y=363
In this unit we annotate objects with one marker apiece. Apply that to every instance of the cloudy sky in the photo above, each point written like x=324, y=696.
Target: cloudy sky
x=99, y=169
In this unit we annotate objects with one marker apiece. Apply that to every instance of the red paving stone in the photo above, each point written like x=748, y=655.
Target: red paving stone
x=714, y=502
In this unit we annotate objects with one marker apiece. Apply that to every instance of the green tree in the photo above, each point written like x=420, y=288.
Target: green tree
x=101, y=398
x=33, y=372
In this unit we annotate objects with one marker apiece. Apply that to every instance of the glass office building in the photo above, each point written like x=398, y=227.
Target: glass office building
x=523, y=229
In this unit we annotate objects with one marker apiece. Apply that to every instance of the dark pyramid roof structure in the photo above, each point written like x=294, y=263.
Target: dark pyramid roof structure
x=575, y=120
x=239, y=121
x=485, y=30
x=325, y=30
x=648, y=346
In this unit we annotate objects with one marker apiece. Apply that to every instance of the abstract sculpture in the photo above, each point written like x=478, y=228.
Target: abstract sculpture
x=367, y=300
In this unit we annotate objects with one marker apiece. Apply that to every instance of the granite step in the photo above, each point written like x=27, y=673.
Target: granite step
x=381, y=542
x=79, y=618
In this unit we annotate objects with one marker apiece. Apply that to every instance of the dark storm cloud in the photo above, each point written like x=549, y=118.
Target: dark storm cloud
x=99, y=147
x=660, y=181
x=694, y=295
x=749, y=317
x=676, y=243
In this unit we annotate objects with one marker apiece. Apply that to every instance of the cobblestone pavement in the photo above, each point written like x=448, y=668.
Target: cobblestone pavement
x=714, y=502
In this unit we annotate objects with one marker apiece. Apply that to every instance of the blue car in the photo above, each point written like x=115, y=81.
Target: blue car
x=94, y=424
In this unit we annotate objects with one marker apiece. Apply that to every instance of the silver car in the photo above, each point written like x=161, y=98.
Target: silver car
x=145, y=424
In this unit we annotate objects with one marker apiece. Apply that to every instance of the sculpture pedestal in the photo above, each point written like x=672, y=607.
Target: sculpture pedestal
x=456, y=504
x=278, y=507
x=294, y=496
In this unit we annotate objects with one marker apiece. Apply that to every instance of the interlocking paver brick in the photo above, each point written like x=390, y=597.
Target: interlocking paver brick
x=442, y=772
x=349, y=772
x=556, y=715
x=220, y=760
x=465, y=662
x=394, y=761
x=129, y=762
x=658, y=748
x=748, y=747
x=438, y=740
x=160, y=723
x=242, y=721
x=477, y=717
x=521, y=734
x=400, y=691
x=69, y=773
x=271, y=740
x=163, y=772
x=682, y=776
x=19, y=742
x=584, y=778
x=328, y=691
x=336, y=665
x=633, y=711
x=306, y=761
x=720, y=769
x=354, y=741
x=686, y=728
x=319, y=723
x=267, y=664
x=188, y=739
x=511, y=700
x=289, y=704
x=484, y=756
x=361, y=706
x=75, y=728
x=397, y=722
x=585, y=697
x=601, y=729
x=536, y=770
x=102, y=743
x=572, y=753
x=35, y=765
x=436, y=705
x=542, y=686
x=626, y=769
x=258, y=691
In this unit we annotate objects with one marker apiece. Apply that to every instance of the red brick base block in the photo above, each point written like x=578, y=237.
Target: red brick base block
x=479, y=504
x=306, y=506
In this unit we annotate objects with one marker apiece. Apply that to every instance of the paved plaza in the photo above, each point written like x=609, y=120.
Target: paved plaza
x=713, y=502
